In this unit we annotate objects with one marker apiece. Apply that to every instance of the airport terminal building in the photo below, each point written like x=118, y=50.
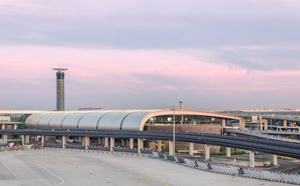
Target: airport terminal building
x=130, y=120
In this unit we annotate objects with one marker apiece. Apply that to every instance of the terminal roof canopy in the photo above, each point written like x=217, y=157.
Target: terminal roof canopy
x=131, y=120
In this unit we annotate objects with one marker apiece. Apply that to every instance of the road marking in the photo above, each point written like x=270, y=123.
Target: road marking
x=62, y=180
x=8, y=183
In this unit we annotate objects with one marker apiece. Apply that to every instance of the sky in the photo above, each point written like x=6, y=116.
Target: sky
x=149, y=54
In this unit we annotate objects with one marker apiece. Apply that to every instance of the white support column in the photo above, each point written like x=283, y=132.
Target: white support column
x=140, y=141
x=112, y=144
x=131, y=140
x=83, y=141
x=171, y=148
x=260, y=125
x=63, y=142
x=242, y=123
x=15, y=126
x=23, y=139
x=228, y=152
x=127, y=143
x=87, y=143
x=266, y=124
x=123, y=142
x=207, y=151
x=106, y=142
x=159, y=145
x=275, y=162
x=27, y=139
x=3, y=126
x=285, y=123
x=223, y=125
x=259, y=122
x=251, y=159
x=5, y=138
x=191, y=148
x=43, y=141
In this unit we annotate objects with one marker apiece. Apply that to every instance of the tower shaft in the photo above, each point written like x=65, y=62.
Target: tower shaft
x=60, y=89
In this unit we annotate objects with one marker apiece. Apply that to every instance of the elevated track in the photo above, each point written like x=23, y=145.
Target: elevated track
x=270, y=146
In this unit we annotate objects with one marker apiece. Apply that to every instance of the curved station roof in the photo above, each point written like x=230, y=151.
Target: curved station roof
x=133, y=120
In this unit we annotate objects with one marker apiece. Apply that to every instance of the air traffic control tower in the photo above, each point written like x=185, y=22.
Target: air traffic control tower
x=60, y=89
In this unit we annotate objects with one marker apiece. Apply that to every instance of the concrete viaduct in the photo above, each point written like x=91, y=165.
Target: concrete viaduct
x=268, y=146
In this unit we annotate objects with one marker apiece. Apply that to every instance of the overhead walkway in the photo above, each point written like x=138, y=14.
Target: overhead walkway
x=267, y=116
x=280, y=133
x=262, y=134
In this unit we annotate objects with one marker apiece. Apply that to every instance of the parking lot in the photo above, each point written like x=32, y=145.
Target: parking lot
x=49, y=167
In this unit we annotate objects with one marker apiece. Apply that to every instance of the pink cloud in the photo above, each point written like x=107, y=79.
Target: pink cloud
x=115, y=68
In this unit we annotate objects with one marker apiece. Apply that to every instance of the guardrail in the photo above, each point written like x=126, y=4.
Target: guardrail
x=20, y=147
x=233, y=170
x=99, y=147
x=264, y=134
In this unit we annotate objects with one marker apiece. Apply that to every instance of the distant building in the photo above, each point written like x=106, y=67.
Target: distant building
x=87, y=109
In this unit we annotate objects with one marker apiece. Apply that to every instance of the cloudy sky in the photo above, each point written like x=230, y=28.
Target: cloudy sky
x=142, y=54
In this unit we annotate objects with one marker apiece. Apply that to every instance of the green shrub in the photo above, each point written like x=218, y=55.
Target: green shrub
x=165, y=149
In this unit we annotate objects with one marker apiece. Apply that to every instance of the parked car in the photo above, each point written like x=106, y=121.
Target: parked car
x=258, y=153
x=70, y=141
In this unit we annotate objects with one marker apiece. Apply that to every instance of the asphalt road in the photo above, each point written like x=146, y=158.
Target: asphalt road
x=46, y=167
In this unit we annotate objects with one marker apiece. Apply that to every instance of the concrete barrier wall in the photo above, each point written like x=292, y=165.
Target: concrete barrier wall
x=73, y=146
x=236, y=171
x=53, y=145
x=20, y=147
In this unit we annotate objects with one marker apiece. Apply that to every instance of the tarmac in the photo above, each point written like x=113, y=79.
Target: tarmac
x=49, y=167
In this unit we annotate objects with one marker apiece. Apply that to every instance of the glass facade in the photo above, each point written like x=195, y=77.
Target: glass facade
x=60, y=75
x=16, y=117
x=186, y=119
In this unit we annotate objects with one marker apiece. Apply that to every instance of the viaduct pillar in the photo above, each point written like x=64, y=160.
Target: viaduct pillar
x=159, y=145
x=171, y=148
x=131, y=140
x=207, y=151
x=191, y=148
x=251, y=159
x=284, y=123
x=275, y=160
x=106, y=142
x=266, y=124
x=228, y=152
x=112, y=144
x=42, y=141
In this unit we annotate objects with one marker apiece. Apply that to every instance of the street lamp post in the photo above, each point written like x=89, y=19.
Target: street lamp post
x=173, y=108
